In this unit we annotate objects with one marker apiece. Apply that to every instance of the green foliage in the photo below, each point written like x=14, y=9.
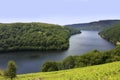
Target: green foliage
x=110, y=71
x=91, y=58
x=50, y=66
x=34, y=36
x=68, y=62
x=73, y=30
x=11, y=70
x=1, y=72
x=112, y=34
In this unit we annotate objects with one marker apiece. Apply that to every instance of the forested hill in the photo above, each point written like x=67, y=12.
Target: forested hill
x=34, y=36
x=112, y=34
x=97, y=25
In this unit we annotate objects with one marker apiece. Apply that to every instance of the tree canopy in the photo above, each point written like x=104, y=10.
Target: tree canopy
x=34, y=36
x=112, y=34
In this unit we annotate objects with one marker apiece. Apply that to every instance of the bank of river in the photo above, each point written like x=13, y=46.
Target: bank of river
x=28, y=62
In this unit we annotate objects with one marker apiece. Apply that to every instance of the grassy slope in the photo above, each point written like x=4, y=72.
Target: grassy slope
x=109, y=71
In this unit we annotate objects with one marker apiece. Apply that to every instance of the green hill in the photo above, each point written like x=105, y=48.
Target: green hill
x=97, y=25
x=109, y=71
x=34, y=36
x=112, y=34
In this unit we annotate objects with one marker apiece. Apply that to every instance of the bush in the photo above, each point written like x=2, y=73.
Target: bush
x=50, y=66
x=68, y=62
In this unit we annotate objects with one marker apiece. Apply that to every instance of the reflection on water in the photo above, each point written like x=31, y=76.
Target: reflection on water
x=28, y=62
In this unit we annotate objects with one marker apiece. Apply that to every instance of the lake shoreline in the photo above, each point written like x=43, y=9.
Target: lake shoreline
x=31, y=61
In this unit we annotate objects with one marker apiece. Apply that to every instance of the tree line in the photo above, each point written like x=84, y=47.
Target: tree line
x=94, y=57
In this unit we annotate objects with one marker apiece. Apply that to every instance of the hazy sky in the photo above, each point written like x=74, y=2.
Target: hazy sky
x=58, y=11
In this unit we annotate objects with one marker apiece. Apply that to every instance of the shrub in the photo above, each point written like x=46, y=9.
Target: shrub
x=50, y=66
x=68, y=62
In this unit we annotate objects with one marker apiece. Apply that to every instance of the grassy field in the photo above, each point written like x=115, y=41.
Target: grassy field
x=109, y=71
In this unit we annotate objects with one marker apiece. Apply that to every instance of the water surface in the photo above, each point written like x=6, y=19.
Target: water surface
x=29, y=62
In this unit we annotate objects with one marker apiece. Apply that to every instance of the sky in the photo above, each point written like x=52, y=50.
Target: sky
x=60, y=12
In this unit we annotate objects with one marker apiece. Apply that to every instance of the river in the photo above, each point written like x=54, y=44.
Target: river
x=29, y=62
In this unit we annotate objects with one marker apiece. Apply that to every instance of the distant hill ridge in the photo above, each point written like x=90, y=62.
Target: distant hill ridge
x=96, y=25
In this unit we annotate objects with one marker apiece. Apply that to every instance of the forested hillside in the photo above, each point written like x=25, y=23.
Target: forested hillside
x=112, y=34
x=97, y=25
x=34, y=36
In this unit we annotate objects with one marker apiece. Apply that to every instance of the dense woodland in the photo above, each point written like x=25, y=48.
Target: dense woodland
x=34, y=36
x=112, y=34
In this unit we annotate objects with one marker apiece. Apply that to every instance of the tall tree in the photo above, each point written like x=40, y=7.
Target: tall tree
x=11, y=70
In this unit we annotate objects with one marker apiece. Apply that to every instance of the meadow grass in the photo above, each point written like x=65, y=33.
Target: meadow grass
x=109, y=71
